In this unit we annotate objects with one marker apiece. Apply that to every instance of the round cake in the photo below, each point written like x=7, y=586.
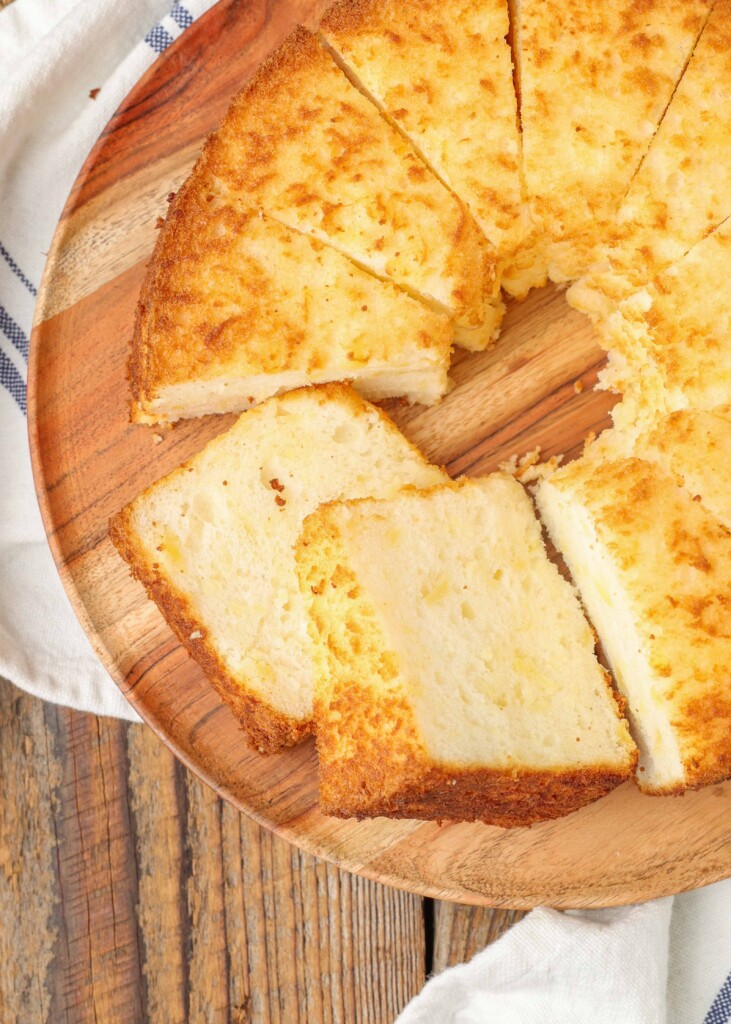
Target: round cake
x=385, y=184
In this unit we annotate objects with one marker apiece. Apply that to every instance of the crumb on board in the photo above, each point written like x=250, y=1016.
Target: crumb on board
x=93, y=93
x=578, y=386
x=157, y=438
x=528, y=468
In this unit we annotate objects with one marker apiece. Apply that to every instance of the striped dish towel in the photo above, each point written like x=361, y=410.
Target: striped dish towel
x=54, y=56
x=662, y=963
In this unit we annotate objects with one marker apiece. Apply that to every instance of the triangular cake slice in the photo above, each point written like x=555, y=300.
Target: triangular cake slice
x=595, y=80
x=682, y=191
x=213, y=542
x=236, y=307
x=694, y=446
x=668, y=343
x=301, y=143
x=653, y=567
x=442, y=72
x=455, y=672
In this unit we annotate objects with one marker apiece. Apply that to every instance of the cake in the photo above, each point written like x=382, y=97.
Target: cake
x=682, y=191
x=442, y=73
x=595, y=80
x=455, y=672
x=301, y=143
x=694, y=446
x=213, y=542
x=236, y=307
x=668, y=342
x=356, y=212
x=653, y=567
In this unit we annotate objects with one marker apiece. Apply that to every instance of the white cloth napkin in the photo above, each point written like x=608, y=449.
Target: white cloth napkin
x=665, y=962
x=52, y=54
x=635, y=965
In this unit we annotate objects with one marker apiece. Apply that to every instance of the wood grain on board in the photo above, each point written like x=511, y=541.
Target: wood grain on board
x=533, y=389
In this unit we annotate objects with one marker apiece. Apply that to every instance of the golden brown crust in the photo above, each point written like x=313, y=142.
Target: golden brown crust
x=459, y=794
x=658, y=221
x=167, y=246
x=387, y=773
x=372, y=757
x=433, y=69
x=621, y=62
x=350, y=16
x=675, y=564
x=294, y=143
x=266, y=729
x=237, y=302
x=173, y=243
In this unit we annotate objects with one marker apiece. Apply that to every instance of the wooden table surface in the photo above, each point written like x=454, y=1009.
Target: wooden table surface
x=129, y=892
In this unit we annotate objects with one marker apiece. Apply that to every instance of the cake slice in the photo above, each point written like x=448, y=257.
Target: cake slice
x=301, y=143
x=213, y=542
x=694, y=446
x=236, y=307
x=455, y=672
x=669, y=342
x=683, y=188
x=442, y=72
x=595, y=79
x=653, y=567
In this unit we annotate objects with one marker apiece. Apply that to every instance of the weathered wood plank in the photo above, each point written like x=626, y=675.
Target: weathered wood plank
x=102, y=978
x=460, y=932
x=129, y=891
x=236, y=925
x=158, y=823
x=322, y=944
x=29, y=892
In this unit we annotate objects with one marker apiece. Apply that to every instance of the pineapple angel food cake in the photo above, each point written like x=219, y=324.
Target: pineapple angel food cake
x=443, y=75
x=355, y=215
x=455, y=674
x=213, y=542
x=653, y=566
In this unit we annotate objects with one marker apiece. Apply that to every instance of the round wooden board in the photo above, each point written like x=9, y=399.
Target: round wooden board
x=534, y=389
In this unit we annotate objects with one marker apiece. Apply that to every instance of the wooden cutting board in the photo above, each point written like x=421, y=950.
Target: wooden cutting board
x=534, y=389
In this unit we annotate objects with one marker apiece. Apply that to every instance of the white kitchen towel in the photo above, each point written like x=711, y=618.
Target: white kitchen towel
x=53, y=53
x=665, y=962
x=634, y=965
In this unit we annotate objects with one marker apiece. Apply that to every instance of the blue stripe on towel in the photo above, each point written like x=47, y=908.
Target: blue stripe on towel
x=12, y=381
x=16, y=270
x=720, y=1011
x=11, y=330
x=182, y=17
x=158, y=38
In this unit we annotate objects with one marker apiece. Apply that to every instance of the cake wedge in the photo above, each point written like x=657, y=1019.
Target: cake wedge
x=668, y=342
x=443, y=74
x=595, y=79
x=236, y=307
x=455, y=672
x=213, y=542
x=682, y=191
x=694, y=447
x=303, y=145
x=653, y=568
